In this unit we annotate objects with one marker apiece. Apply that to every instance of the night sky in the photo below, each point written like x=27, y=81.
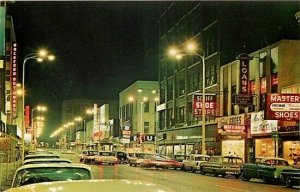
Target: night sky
x=101, y=48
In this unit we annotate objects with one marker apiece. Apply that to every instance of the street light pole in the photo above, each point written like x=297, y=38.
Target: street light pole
x=32, y=56
x=191, y=51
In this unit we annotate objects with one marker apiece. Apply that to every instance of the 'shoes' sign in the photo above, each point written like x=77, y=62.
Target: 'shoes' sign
x=283, y=106
x=210, y=104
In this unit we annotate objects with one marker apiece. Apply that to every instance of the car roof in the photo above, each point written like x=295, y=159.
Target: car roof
x=71, y=165
x=273, y=158
x=94, y=186
x=47, y=160
x=199, y=155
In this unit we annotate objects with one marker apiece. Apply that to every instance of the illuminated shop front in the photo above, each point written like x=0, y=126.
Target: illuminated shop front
x=264, y=147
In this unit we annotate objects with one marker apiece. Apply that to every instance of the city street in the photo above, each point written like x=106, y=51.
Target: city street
x=179, y=180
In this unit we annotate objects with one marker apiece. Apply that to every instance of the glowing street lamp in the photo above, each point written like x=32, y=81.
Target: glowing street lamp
x=191, y=49
x=41, y=54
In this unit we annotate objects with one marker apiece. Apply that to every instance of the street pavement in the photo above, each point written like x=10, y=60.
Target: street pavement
x=174, y=179
x=181, y=181
x=7, y=171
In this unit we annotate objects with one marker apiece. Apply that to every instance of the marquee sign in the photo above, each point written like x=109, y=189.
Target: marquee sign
x=244, y=75
x=210, y=104
x=283, y=106
x=13, y=79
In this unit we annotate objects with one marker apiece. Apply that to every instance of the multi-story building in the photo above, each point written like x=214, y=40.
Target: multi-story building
x=77, y=133
x=244, y=128
x=138, y=117
x=223, y=31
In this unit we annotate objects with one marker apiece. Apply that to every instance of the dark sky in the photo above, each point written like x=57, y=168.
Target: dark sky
x=101, y=48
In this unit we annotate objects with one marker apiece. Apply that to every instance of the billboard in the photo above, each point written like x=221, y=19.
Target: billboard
x=283, y=106
x=210, y=104
x=261, y=126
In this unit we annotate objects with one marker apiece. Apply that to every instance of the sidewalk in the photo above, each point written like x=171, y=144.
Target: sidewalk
x=7, y=171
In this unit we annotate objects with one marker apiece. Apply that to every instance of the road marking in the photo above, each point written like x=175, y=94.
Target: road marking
x=231, y=188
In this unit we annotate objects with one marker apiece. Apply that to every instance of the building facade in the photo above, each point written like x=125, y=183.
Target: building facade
x=138, y=117
x=221, y=36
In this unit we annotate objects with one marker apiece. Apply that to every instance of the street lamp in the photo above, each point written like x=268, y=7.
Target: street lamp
x=77, y=119
x=191, y=48
x=87, y=112
x=39, y=56
x=34, y=130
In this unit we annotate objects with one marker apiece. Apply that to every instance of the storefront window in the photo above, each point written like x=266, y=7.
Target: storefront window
x=291, y=152
x=264, y=148
x=179, y=149
x=189, y=149
x=233, y=148
x=169, y=151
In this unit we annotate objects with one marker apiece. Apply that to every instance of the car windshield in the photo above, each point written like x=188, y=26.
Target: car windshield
x=47, y=161
x=40, y=157
x=92, y=153
x=48, y=174
x=232, y=160
x=106, y=154
x=276, y=162
x=201, y=158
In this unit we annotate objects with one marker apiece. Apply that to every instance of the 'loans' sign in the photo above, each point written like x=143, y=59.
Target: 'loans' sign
x=210, y=104
x=283, y=106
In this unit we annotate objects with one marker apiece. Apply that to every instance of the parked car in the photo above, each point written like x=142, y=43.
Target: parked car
x=193, y=161
x=122, y=157
x=94, y=186
x=50, y=160
x=222, y=165
x=290, y=177
x=41, y=156
x=268, y=169
x=87, y=156
x=108, y=157
x=38, y=173
x=157, y=161
x=135, y=159
x=178, y=164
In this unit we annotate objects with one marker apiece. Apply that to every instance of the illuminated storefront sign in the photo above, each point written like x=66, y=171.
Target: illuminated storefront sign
x=244, y=72
x=13, y=79
x=283, y=106
x=231, y=120
x=27, y=116
x=210, y=104
x=260, y=126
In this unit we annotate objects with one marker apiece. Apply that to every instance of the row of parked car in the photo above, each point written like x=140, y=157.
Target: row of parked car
x=45, y=166
x=269, y=169
x=45, y=171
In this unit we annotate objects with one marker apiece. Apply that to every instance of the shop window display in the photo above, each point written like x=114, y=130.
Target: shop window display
x=291, y=152
x=264, y=148
x=233, y=148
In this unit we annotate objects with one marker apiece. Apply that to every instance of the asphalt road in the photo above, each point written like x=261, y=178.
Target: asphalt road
x=182, y=181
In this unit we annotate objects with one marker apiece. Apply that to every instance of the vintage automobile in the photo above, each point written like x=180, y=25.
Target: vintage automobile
x=41, y=156
x=268, y=169
x=290, y=177
x=49, y=160
x=87, y=156
x=38, y=173
x=157, y=161
x=122, y=157
x=135, y=159
x=178, y=164
x=193, y=162
x=94, y=186
x=108, y=157
x=222, y=165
